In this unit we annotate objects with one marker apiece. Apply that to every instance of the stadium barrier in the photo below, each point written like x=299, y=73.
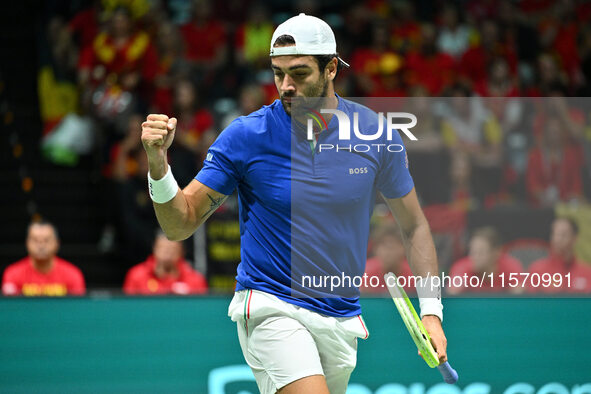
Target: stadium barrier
x=189, y=345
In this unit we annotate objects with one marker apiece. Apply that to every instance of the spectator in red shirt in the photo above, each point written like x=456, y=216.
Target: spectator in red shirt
x=42, y=273
x=172, y=66
x=164, y=272
x=428, y=67
x=194, y=120
x=485, y=257
x=205, y=37
x=390, y=80
x=554, y=167
x=500, y=82
x=377, y=67
x=475, y=62
x=389, y=256
x=406, y=30
x=120, y=57
x=562, y=261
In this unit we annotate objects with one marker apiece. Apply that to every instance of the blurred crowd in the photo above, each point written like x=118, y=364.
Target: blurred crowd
x=43, y=273
x=105, y=65
x=490, y=266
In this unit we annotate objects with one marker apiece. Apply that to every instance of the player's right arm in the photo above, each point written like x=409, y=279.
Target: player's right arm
x=190, y=207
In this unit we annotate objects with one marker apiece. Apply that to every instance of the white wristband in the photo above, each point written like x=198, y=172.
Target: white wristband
x=431, y=306
x=429, y=292
x=163, y=190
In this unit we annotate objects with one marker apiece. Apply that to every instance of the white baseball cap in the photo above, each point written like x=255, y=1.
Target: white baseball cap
x=312, y=36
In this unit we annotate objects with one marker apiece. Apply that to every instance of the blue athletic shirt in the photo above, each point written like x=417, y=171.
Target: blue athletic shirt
x=326, y=229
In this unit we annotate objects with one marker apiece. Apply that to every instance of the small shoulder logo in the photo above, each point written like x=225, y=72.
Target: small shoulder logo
x=209, y=156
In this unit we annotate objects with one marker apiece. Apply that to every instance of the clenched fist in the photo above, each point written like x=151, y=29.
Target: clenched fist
x=157, y=134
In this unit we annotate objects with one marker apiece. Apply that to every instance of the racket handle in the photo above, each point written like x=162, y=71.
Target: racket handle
x=449, y=374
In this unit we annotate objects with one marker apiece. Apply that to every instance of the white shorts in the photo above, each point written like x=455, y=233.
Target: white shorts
x=282, y=342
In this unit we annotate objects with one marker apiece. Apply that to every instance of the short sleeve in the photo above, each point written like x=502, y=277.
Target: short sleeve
x=394, y=179
x=223, y=164
x=10, y=282
x=77, y=286
x=514, y=264
x=197, y=283
x=130, y=285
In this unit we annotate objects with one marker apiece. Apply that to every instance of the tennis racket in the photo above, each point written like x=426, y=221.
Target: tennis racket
x=417, y=330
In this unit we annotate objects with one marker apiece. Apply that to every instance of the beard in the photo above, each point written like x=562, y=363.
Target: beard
x=318, y=90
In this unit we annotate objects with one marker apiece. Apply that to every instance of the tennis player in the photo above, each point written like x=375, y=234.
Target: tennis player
x=295, y=343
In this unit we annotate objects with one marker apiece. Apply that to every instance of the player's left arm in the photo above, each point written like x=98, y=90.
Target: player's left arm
x=421, y=255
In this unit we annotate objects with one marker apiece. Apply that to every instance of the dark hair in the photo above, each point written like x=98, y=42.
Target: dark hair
x=322, y=60
x=573, y=224
x=43, y=222
x=490, y=234
x=283, y=41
